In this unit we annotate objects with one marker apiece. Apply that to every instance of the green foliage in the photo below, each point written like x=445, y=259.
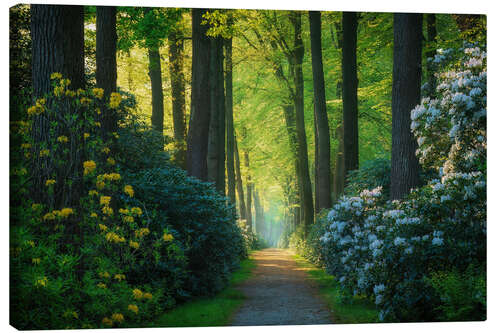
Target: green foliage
x=372, y=174
x=214, y=311
x=463, y=295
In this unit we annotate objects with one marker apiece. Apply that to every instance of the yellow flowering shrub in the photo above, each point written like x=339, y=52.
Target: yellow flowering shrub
x=105, y=200
x=115, y=100
x=129, y=190
x=136, y=211
x=89, y=167
x=134, y=308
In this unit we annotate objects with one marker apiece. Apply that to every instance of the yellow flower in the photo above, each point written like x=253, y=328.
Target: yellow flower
x=98, y=124
x=114, y=238
x=141, y=232
x=147, y=296
x=88, y=167
x=105, y=200
x=62, y=139
x=128, y=219
x=168, y=237
x=80, y=91
x=30, y=243
x=105, y=150
x=137, y=293
x=36, y=206
x=101, y=285
x=70, y=93
x=136, y=211
x=115, y=135
x=104, y=275
x=107, y=210
x=98, y=110
x=123, y=211
x=55, y=76
x=134, y=245
x=114, y=100
x=35, y=261
x=49, y=216
x=41, y=282
x=110, y=161
x=58, y=90
x=119, y=277
x=134, y=308
x=100, y=184
x=85, y=100
x=129, y=190
x=103, y=227
x=44, y=152
x=93, y=215
x=106, y=321
x=98, y=92
x=117, y=317
x=86, y=136
x=93, y=192
x=26, y=146
x=65, y=212
x=49, y=182
x=65, y=82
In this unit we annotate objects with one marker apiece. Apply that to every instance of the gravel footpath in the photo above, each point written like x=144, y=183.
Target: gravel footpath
x=279, y=294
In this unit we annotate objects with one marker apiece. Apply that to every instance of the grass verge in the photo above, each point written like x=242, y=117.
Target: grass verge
x=213, y=311
x=354, y=310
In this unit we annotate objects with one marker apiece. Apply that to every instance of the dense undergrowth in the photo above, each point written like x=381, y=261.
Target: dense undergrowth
x=105, y=231
x=422, y=258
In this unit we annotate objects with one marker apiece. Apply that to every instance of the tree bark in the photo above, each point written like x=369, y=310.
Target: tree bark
x=322, y=161
x=406, y=78
x=197, y=143
x=297, y=60
x=216, y=142
x=57, y=46
x=350, y=90
x=431, y=52
x=177, y=83
x=106, y=75
x=249, y=192
x=239, y=182
x=228, y=46
x=157, y=114
x=259, y=215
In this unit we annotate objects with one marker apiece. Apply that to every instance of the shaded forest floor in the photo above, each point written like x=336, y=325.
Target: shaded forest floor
x=280, y=293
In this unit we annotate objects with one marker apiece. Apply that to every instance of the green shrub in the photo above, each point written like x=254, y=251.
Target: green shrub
x=462, y=295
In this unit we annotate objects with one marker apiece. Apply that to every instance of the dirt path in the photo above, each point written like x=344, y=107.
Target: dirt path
x=278, y=294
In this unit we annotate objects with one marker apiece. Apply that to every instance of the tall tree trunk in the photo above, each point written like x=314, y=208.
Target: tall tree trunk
x=197, y=143
x=406, y=79
x=339, y=175
x=297, y=60
x=239, y=182
x=431, y=52
x=106, y=75
x=259, y=214
x=350, y=90
x=249, y=191
x=157, y=115
x=216, y=142
x=177, y=83
x=228, y=46
x=322, y=161
x=58, y=46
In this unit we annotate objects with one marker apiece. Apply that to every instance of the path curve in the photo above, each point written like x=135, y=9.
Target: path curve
x=279, y=294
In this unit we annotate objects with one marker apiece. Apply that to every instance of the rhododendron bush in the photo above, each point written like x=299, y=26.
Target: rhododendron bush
x=402, y=253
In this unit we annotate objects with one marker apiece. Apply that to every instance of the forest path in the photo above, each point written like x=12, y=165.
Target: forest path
x=279, y=294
